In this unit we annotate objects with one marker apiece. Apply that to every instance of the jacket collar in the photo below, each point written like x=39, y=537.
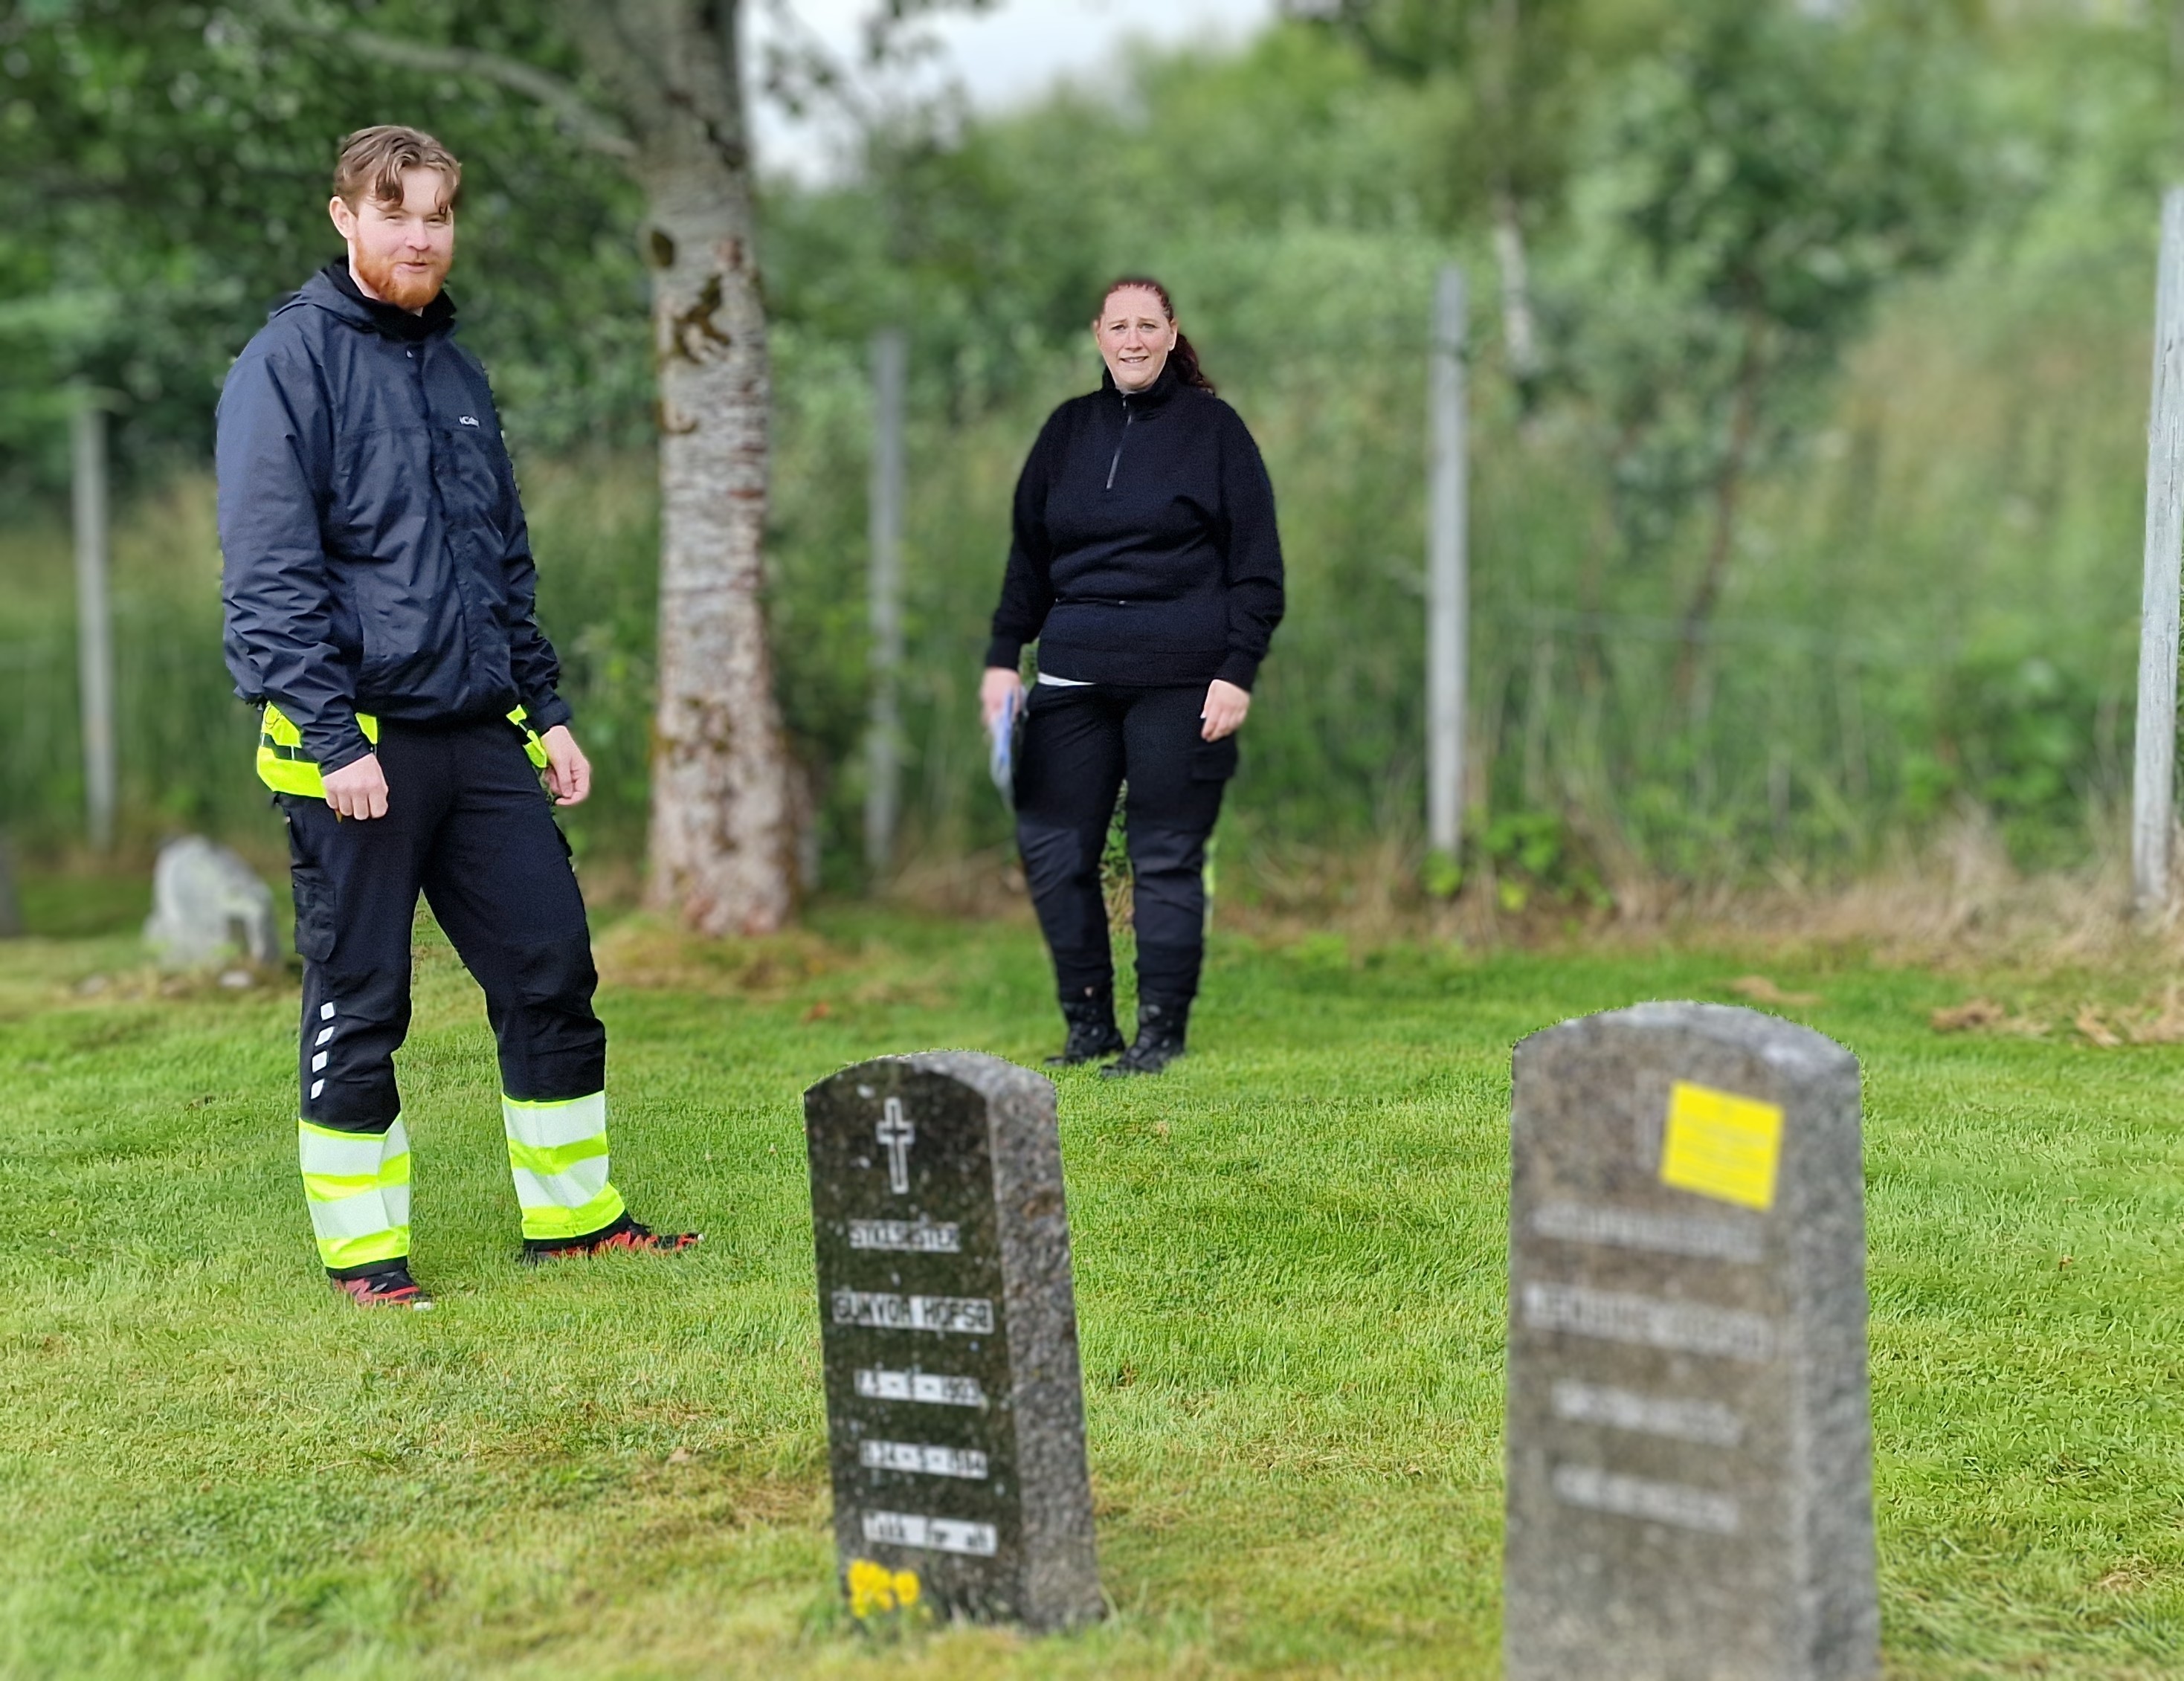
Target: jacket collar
x=1155, y=395
x=334, y=289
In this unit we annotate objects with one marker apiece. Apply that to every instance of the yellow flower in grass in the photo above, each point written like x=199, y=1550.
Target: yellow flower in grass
x=874, y=1588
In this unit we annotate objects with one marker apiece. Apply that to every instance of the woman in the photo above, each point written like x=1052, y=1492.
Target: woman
x=1146, y=566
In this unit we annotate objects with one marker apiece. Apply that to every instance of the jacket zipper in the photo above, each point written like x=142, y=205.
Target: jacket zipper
x=1128, y=415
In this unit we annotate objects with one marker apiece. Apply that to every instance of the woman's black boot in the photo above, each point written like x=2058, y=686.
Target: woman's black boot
x=1161, y=1024
x=1092, y=1030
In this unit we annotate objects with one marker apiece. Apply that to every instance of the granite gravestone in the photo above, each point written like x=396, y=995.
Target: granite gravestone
x=954, y=1404
x=209, y=905
x=1690, y=1455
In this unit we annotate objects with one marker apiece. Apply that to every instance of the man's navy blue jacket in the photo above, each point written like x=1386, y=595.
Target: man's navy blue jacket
x=376, y=558
x=1144, y=550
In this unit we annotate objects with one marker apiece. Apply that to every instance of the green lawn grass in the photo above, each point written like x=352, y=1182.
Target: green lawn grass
x=1291, y=1270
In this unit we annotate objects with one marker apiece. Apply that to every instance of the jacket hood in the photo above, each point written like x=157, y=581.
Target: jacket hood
x=333, y=290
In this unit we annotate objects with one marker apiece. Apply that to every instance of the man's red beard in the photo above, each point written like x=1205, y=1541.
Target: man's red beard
x=404, y=291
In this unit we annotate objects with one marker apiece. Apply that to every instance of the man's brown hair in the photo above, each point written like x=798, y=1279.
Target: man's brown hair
x=373, y=159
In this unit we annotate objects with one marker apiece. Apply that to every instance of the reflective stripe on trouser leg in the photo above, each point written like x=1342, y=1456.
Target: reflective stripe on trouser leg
x=558, y=1153
x=357, y=1186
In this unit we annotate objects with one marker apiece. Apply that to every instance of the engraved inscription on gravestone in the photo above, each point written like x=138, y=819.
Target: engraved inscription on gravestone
x=1690, y=1456
x=954, y=1404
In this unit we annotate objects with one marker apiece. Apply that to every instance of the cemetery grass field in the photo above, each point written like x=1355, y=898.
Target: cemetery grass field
x=1289, y=1261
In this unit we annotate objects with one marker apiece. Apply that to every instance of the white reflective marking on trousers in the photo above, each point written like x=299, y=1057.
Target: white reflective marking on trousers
x=551, y=1125
x=571, y=1189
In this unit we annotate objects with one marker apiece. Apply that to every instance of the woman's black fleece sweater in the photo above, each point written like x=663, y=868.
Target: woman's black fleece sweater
x=1145, y=547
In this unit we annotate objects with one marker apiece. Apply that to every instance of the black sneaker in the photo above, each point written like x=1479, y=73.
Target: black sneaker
x=624, y=1235
x=394, y=1288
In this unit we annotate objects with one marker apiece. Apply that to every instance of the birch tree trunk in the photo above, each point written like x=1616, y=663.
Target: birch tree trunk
x=723, y=845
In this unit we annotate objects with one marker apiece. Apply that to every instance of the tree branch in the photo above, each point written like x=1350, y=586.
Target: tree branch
x=577, y=115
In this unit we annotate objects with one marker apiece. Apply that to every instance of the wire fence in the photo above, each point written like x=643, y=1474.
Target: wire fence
x=182, y=741
x=1781, y=743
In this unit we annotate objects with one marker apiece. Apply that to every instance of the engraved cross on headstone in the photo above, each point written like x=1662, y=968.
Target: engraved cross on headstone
x=896, y=1133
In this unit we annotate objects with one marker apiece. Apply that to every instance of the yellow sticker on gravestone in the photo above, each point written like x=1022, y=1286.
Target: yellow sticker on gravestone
x=1721, y=1145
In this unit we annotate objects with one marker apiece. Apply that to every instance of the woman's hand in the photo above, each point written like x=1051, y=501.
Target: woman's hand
x=1225, y=707
x=999, y=682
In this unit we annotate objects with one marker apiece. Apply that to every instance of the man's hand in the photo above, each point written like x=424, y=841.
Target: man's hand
x=568, y=773
x=358, y=789
x=994, y=688
x=1225, y=707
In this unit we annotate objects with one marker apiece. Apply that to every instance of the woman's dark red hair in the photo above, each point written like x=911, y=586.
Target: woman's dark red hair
x=1184, y=358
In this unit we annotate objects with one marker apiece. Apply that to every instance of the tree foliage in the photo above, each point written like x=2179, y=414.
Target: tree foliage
x=1751, y=186
x=1733, y=212
x=166, y=183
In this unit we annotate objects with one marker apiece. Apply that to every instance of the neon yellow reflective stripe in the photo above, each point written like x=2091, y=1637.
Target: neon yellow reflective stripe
x=357, y=1217
x=282, y=766
x=558, y=1160
x=329, y=1186
x=546, y=1126
x=391, y=1244
x=572, y=1189
x=557, y=1225
x=356, y=1186
x=533, y=749
x=333, y=1187
x=557, y=1154
x=324, y=1150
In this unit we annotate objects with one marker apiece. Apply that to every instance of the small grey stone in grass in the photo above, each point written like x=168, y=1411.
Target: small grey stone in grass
x=947, y=1322
x=208, y=905
x=1690, y=1458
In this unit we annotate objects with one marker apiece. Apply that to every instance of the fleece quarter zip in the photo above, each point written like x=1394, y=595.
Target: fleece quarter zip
x=1145, y=550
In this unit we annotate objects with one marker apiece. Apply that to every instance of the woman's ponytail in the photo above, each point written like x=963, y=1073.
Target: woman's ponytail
x=1186, y=364
x=1184, y=356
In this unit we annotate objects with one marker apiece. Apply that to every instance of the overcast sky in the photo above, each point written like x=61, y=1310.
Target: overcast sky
x=1007, y=56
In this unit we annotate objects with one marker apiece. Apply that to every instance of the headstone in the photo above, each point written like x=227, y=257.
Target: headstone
x=207, y=905
x=1690, y=1454
x=954, y=1404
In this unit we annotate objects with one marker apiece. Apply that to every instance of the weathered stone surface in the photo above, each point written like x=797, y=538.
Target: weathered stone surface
x=955, y=1403
x=1690, y=1456
x=207, y=905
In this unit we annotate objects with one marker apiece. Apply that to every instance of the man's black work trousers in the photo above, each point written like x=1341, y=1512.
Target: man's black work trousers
x=1081, y=744
x=468, y=825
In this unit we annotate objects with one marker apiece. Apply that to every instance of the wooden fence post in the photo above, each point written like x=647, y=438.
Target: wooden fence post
x=883, y=765
x=1447, y=584
x=94, y=624
x=2153, y=768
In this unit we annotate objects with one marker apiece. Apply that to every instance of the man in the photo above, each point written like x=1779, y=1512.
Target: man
x=380, y=606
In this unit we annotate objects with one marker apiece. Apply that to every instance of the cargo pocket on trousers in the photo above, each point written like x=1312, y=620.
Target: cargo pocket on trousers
x=315, y=912
x=314, y=893
x=1214, y=761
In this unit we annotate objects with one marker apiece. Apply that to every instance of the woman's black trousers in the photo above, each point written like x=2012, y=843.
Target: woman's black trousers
x=1081, y=743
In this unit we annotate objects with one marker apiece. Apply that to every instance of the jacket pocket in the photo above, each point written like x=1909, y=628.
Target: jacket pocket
x=1214, y=761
